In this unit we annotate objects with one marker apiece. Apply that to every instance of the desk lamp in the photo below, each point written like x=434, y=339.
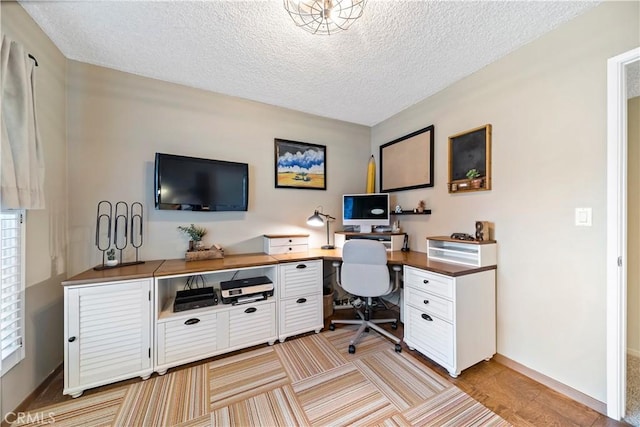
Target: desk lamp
x=316, y=220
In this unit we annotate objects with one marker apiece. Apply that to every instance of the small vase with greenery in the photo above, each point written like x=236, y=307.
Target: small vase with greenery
x=195, y=233
x=111, y=257
x=474, y=176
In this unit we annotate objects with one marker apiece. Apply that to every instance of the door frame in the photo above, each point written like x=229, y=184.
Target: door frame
x=617, y=231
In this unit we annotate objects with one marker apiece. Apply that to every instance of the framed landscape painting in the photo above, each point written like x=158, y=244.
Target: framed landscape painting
x=300, y=165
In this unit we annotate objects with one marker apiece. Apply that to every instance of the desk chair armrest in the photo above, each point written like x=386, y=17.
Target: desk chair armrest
x=396, y=277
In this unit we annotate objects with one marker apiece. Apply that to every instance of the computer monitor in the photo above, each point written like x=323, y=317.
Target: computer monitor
x=366, y=210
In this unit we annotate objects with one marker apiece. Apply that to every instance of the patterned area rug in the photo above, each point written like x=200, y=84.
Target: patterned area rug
x=308, y=381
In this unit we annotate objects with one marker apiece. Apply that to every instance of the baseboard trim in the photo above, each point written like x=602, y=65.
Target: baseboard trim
x=572, y=393
x=22, y=407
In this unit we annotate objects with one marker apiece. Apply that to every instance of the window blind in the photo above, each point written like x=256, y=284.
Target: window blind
x=11, y=289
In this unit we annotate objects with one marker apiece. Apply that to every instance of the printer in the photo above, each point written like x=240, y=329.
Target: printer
x=243, y=291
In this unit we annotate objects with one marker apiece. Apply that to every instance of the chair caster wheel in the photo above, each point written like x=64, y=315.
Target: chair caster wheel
x=366, y=330
x=352, y=349
x=398, y=348
x=332, y=327
x=394, y=325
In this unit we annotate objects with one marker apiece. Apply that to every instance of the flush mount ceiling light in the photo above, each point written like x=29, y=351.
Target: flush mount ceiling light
x=324, y=16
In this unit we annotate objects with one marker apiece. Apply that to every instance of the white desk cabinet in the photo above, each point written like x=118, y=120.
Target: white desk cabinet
x=301, y=304
x=276, y=244
x=451, y=320
x=107, y=333
x=186, y=336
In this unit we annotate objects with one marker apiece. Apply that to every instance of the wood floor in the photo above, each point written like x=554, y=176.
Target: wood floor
x=513, y=396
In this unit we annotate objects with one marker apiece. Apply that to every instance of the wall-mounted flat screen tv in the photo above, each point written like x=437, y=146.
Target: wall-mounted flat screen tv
x=195, y=184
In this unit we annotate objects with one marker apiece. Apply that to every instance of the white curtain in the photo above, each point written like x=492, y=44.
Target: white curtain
x=21, y=158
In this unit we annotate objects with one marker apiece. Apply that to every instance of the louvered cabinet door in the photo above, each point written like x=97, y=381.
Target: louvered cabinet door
x=252, y=324
x=107, y=334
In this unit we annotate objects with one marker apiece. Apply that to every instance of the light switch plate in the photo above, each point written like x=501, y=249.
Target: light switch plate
x=583, y=217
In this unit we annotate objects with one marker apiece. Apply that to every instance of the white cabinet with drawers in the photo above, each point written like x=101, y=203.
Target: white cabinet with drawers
x=450, y=319
x=277, y=244
x=187, y=336
x=300, y=305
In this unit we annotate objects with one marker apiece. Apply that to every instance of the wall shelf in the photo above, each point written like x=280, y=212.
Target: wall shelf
x=425, y=212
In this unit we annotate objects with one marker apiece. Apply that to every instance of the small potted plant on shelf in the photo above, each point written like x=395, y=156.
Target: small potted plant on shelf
x=421, y=206
x=196, y=234
x=474, y=177
x=111, y=258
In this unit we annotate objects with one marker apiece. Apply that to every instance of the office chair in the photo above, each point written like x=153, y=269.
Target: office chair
x=364, y=273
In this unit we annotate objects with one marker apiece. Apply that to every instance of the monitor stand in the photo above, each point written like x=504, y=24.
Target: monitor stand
x=365, y=229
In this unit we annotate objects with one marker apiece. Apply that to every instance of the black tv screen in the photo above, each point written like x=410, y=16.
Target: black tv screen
x=194, y=184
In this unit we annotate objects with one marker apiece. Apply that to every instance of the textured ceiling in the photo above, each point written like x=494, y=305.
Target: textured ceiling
x=397, y=54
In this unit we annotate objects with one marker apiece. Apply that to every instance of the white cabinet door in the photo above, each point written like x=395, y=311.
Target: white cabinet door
x=183, y=340
x=430, y=335
x=252, y=324
x=107, y=333
x=298, y=315
x=300, y=278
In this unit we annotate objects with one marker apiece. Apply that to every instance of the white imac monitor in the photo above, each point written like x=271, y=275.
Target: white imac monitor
x=366, y=210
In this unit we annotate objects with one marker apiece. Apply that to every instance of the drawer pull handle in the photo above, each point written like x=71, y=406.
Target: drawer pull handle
x=290, y=240
x=425, y=281
x=71, y=339
x=251, y=310
x=191, y=321
x=290, y=249
x=426, y=301
x=301, y=266
x=301, y=300
x=427, y=317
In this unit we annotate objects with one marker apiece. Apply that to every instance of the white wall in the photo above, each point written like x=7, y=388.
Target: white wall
x=633, y=227
x=117, y=121
x=45, y=270
x=547, y=105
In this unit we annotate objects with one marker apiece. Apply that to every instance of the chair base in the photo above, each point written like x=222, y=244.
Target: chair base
x=368, y=324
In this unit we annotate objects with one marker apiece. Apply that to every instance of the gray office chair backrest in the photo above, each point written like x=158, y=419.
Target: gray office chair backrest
x=364, y=269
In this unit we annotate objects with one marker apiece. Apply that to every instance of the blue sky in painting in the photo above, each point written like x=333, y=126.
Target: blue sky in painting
x=311, y=161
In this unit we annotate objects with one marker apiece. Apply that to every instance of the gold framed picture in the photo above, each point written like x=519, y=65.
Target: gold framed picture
x=470, y=160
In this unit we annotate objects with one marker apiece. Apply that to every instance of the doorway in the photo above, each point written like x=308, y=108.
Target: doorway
x=618, y=70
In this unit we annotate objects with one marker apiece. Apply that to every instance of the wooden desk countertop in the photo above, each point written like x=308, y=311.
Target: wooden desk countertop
x=180, y=266
x=129, y=272
x=411, y=258
x=160, y=268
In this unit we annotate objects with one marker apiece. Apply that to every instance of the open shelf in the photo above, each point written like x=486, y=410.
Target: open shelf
x=472, y=253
